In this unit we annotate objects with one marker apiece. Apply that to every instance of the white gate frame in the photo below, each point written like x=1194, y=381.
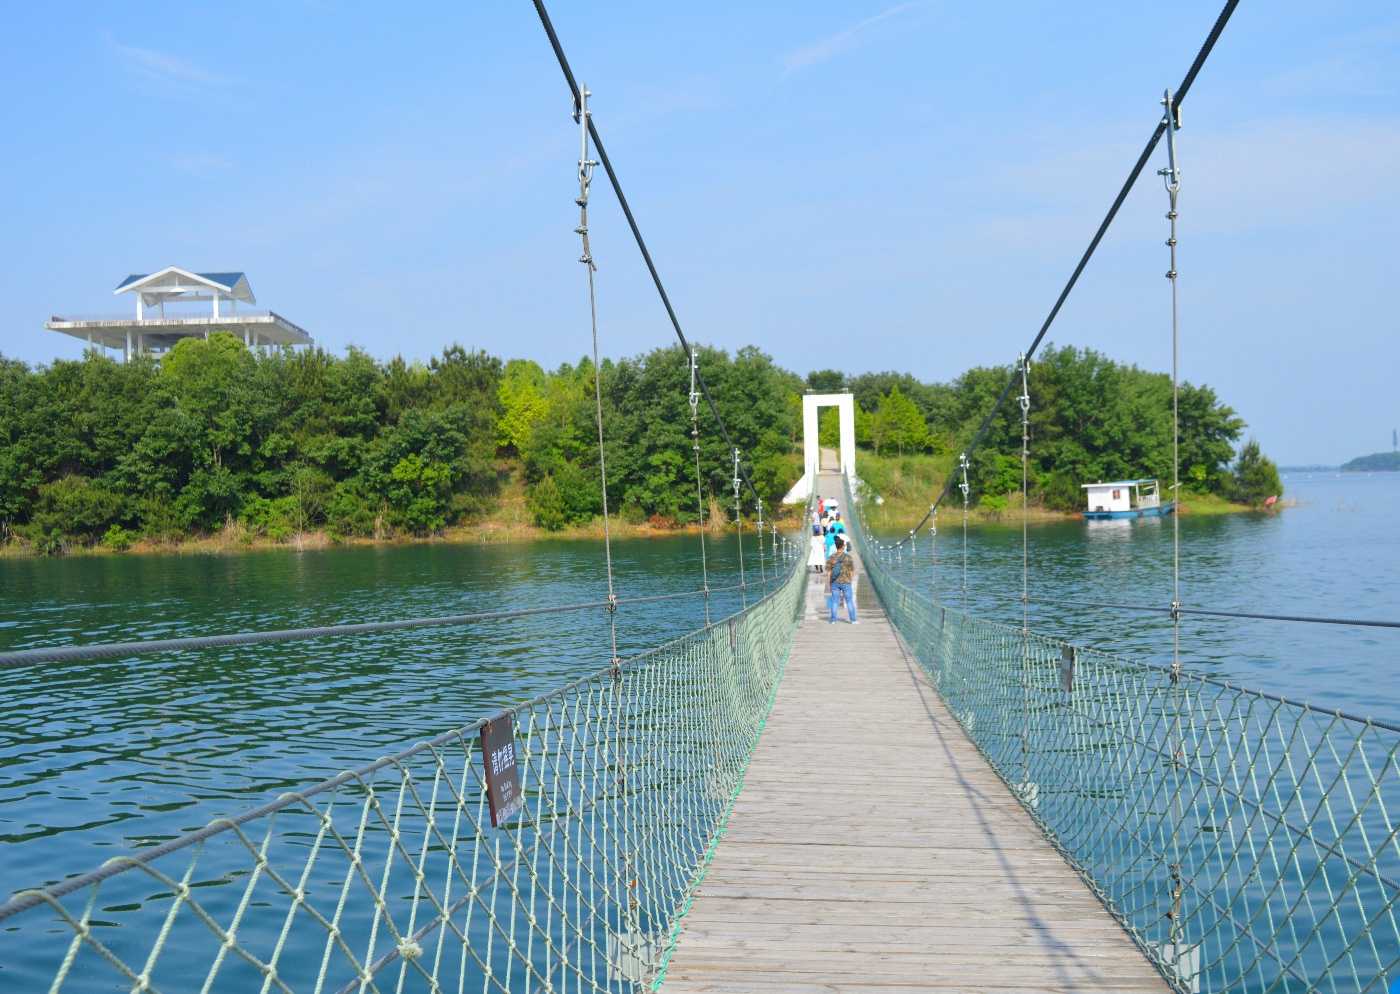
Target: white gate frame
x=811, y=445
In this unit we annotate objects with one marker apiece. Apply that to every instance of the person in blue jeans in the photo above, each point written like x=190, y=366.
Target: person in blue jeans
x=840, y=570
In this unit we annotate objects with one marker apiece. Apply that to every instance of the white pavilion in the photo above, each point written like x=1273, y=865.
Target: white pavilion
x=155, y=329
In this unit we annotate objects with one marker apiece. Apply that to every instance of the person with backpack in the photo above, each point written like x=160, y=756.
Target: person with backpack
x=840, y=571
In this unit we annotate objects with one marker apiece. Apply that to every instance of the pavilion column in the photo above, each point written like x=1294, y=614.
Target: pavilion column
x=126, y=352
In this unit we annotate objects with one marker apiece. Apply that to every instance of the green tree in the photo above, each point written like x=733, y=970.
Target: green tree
x=905, y=427
x=1255, y=476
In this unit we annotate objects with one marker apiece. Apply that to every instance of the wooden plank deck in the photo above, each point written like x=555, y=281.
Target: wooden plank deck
x=872, y=848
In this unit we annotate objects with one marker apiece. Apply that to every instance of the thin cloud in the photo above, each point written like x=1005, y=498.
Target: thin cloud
x=838, y=43
x=162, y=74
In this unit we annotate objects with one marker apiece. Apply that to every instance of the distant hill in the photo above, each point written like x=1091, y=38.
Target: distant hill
x=1380, y=462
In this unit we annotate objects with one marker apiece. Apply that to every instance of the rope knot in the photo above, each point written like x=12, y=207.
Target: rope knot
x=409, y=949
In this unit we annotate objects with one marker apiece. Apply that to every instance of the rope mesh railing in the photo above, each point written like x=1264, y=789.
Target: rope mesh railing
x=391, y=878
x=1286, y=856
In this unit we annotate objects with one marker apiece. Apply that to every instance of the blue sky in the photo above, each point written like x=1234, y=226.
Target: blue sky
x=859, y=185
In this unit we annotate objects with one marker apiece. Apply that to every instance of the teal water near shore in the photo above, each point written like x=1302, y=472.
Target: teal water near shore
x=1335, y=554
x=99, y=758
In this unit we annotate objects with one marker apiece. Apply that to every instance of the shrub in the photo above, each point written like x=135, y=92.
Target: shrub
x=348, y=512
x=1061, y=491
x=77, y=505
x=117, y=539
x=547, y=505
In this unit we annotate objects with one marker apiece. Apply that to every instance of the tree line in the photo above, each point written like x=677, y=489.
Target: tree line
x=214, y=436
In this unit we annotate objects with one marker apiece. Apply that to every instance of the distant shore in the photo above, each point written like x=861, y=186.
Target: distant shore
x=510, y=524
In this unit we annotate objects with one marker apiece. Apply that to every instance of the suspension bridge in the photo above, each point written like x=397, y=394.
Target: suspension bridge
x=931, y=801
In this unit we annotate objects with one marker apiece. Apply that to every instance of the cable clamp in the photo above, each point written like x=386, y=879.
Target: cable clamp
x=612, y=602
x=1176, y=611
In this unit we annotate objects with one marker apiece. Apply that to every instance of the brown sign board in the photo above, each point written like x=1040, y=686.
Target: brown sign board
x=502, y=775
x=1067, y=668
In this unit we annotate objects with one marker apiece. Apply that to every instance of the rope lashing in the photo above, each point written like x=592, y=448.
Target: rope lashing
x=585, y=178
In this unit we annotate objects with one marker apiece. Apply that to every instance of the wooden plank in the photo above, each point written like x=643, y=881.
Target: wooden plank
x=908, y=866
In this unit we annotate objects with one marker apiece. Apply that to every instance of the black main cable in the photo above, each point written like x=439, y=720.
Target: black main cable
x=636, y=232
x=1093, y=244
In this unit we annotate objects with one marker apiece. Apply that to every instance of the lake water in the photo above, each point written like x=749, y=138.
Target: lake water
x=104, y=756
x=1336, y=554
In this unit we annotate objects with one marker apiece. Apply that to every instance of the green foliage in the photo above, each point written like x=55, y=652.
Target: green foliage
x=1255, y=476
x=647, y=425
x=117, y=539
x=291, y=441
x=898, y=423
x=210, y=432
x=1380, y=462
x=547, y=505
x=826, y=381
x=829, y=427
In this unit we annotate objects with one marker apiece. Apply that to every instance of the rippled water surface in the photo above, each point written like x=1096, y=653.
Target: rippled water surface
x=102, y=756
x=99, y=757
x=1335, y=554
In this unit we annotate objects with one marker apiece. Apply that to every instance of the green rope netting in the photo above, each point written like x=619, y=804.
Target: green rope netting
x=394, y=880
x=1264, y=858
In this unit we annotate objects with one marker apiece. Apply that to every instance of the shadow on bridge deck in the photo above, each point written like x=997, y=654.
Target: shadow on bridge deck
x=872, y=847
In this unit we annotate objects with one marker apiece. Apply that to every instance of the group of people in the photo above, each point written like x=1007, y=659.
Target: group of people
x=831, y=552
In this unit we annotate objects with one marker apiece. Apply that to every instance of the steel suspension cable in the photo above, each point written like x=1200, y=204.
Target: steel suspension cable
x=585, y=177
x=111, y=650
x=1025, y=363
x=962, y=461
x=1137, y=169
x=636, y=231
x=739, y=530
x=699, y=496
x=1171, y=176
x=1182, y=609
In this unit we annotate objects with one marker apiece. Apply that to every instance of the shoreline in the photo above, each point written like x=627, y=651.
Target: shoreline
x=499, y=529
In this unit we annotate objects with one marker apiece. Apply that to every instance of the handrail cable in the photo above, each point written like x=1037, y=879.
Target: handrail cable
x=30, y=898
x=637, y=233
x=585, y=178
x=1182, y=609
x=107, y=650
x=1098, y=235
